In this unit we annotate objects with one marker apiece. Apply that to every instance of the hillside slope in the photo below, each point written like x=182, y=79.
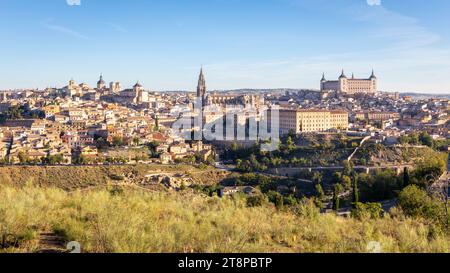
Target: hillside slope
x=76, y=177
x=139, y=221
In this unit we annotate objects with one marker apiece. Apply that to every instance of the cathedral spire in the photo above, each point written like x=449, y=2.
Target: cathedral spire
x=201, y=87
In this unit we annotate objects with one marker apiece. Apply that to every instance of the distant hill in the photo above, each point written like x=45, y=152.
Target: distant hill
x=295, y=90
x=427, y=96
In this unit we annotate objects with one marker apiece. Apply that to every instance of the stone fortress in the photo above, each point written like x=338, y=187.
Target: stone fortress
x=351, y=86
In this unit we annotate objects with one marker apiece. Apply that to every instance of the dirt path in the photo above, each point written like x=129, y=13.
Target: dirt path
x=51, y=243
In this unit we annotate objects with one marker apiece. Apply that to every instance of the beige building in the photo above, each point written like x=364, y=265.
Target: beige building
x=378, y=116
x=351, y=86
x=137, y=95
x=115, y=87
x=304, y=121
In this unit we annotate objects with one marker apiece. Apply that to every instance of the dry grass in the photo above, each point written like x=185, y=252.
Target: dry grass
x=76, y=177
x=139, y=221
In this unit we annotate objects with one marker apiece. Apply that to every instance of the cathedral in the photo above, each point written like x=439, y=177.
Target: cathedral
x=351, y=86
x=223, y=99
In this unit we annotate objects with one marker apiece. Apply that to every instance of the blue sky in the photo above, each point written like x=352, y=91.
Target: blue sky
x=240, y=43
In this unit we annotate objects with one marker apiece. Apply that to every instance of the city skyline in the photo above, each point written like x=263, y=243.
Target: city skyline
x=241, y=44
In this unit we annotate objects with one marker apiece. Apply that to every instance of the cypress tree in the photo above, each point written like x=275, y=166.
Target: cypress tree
x=336, y=199
x=406, y=178
x=355, y=190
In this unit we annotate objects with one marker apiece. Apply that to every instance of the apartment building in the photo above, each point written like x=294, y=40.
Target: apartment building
x=305, y=121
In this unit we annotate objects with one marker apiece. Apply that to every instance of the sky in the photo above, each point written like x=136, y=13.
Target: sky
x=240, y=43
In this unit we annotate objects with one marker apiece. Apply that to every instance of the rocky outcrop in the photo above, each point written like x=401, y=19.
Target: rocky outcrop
x=170, y=181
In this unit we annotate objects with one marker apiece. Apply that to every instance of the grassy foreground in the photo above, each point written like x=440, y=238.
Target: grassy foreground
x=139, y=221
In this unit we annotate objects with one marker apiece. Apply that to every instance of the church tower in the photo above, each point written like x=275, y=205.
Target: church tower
x=343, y=80
x=201, y=87
x=138, y=93
x=374, y=82
x=322, y=82
x=101, y=83
x=72, y=84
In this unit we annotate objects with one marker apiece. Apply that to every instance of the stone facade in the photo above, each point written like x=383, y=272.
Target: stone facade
x=306, y=121
x=351, y=85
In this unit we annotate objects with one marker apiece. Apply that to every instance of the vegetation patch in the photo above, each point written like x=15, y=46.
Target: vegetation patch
x=138, y=221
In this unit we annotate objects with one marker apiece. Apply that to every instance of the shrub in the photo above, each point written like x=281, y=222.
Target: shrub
x=415, y=202
x=276, y=198
x=367, y=210
x=256, y=200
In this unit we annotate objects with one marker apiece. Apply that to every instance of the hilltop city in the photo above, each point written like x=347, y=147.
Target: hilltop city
x=78, y=124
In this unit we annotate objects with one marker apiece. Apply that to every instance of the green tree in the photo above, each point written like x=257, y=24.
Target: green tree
x=355, y=190
x=317, y=178
x=15, y=112
x=290, y=144
x=100, y=143
x=336, y=178
x=117, y=141
x=415, y=202
x=404, y=139
x=429, y=169
x=136, y=141
x=320, y=192
x=255, y=165
x=414, y=139
x=382, y=185
x=426, y=139
x=406, y=177
x=234, y=147
x=363, y=162
x=348, y=167
x=276, y=198
x=346, y=181
x=338, y=189
x=256, y=200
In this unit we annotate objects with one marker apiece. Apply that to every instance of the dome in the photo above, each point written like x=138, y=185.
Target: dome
x=101, y=81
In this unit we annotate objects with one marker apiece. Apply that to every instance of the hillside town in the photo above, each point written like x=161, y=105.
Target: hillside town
x=105, y=124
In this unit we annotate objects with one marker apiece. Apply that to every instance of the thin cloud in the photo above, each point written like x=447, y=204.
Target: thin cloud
x=48, y=24
x=374, y=2
x=118, y=28
x=73, y=2
x=401, y=30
